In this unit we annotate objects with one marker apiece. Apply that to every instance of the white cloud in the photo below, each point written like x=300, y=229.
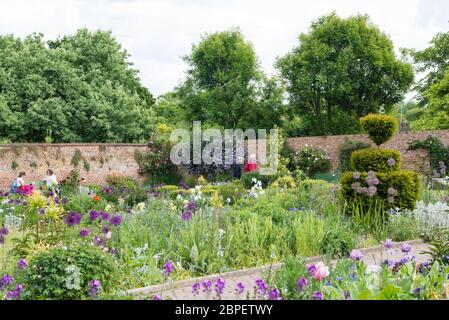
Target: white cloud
x=157, y=33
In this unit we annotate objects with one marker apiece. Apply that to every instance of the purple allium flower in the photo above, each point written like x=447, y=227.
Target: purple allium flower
x=355, y=185
x=104, y=215
x=371, y=174
x=168, y=268
x=186, y=215
x=22, y=263
x=97, y=241
x=6, y=280
x=302, y=283
x=157, y=297
x=219, y=286
x=274, y=294
x=116, y=220
x=84, y=233
x=207, y=286
x=356, y=175
x=42, y=211
x=371, y=191
x=14, y=294
x=389, y=245
x=72, y=218
x=64, y=201
x=106, y=229
x=311, y=269
x=196, y=288
x=183, y=185
x=239, y=288
x=4, y=231
x=391, y=162
x=261, y=286
x=51, y=194
x=392, y=192
x=317, y=295
x=94, y=288
x=406, y=248
x=191, y=206
x=356, y=255
x=388, y=263
x=93, y=215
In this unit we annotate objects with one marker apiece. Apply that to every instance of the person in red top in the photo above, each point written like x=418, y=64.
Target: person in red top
x=250, y=164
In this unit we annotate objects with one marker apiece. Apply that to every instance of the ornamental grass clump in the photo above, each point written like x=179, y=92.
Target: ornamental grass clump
x=377, y=183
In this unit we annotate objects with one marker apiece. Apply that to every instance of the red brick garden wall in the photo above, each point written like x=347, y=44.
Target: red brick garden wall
x=96, y=162
x=415, y=160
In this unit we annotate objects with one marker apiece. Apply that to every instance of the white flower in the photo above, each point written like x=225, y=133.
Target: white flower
x=140, y=206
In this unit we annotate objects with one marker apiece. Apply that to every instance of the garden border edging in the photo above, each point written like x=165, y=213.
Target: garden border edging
x=243, y=272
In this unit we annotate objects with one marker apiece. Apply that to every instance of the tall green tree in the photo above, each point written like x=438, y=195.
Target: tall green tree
x=433, y=62
x=225, y=86
x=81, y=88
x=342, y=69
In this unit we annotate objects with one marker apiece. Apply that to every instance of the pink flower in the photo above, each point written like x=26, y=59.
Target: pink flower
x=321, y=271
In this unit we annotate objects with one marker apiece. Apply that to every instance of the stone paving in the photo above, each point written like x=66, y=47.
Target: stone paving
x=182, y=290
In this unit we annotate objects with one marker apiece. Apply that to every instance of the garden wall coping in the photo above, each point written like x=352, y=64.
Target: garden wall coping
x=244, y=272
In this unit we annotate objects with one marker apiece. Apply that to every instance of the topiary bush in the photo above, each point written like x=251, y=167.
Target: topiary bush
x=397, y=189
x=345, y=151
x=380, y=128
x=378, y=160
x=64, y=273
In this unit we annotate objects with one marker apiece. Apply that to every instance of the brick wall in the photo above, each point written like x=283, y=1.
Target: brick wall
x=415, y=160
x=97, y=162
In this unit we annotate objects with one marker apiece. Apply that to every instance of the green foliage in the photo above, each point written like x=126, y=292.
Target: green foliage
x=77, y=157
x=338, y=242
x=49, y=272
x=225, y=86
x=79, y=87
x=285, y=182
x=376, y=160
x=406, y=183
x=156, y=161
x=14, y=165
x=312, y=161
x=380, y=128
x=345, y=151
x=433, y=62
x=326, y=75
x=436, y=151
x=247, y=179
x=309, y=184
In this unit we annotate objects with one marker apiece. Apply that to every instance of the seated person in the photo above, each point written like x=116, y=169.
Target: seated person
x=50, y=180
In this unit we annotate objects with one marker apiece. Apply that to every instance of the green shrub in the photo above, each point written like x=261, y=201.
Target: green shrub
x=232, y=191
x=437, y=153
x=312, y=161
x=299, y=175
x=380, y=128
x=376, y=160
x=310, y=184
x=285, y=182
x=406, y=183
x=247, y=179
x=345, y=151
x=338, y=243
x=117, y=180
x=49, y=273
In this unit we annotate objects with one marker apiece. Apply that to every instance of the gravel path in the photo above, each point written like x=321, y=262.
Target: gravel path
x=182, y=290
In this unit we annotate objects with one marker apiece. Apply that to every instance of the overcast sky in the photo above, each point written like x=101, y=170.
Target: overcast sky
x=157, y=33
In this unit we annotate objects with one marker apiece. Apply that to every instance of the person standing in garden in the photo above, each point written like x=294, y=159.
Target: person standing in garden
x=251, y=165
x=50, y=180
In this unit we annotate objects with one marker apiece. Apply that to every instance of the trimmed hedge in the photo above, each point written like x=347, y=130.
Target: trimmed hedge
x=345, y=151
x=405, y=182
x=376, y=160
x=380, y=128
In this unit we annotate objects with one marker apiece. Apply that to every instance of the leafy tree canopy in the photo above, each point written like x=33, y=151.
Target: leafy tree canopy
x=342, y=70
x=79, y=88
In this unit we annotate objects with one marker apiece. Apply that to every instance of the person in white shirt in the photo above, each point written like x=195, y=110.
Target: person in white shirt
x=19, y=181
x=51, y=180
